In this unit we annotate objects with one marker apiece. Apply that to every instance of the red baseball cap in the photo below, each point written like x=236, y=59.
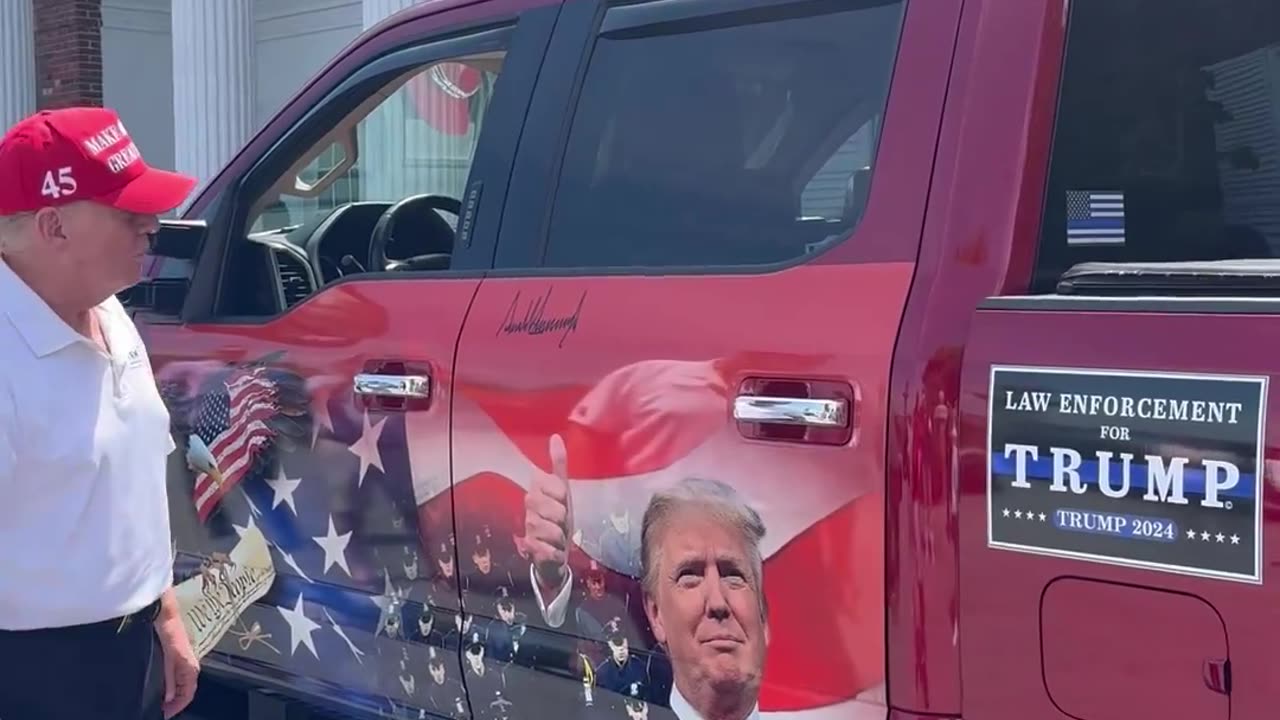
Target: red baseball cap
x=82, y=153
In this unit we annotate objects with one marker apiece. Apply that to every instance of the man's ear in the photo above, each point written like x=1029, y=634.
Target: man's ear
x=49, y=225
x=655, y=620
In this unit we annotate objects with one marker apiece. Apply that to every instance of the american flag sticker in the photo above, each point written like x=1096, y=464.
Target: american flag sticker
x=1095, y=217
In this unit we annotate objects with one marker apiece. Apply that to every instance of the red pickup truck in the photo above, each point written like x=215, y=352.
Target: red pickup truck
x=953, y=312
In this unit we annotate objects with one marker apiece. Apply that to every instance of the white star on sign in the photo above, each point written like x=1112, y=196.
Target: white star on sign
x=284, y=487
x=1221, y=537
x=1191, y=534
x=1006, y=512
x=1204, y=535
x=366, y=448
x=1235, y=539
x=1017, y=514
x=1042, y=518
x=335, y=547
x=300, y=628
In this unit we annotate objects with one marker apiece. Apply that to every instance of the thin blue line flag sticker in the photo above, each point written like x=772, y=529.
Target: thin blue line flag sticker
x=1095, y=217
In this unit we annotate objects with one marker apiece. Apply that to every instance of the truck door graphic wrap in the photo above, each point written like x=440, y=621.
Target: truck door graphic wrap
x=314, y=541
x=233, y=425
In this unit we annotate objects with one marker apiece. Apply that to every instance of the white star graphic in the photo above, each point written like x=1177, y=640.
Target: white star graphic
x=284, y=487
x=292, y=563
x=242, y=531
x=1191, y=534
x=253, y=507
x=320, y=417
x=389, y=603
x=300, y=628
x=1235, y=539
x=1221, y=537
x=1042, y=517
x=1006, y=512
x=335, y=547
x=1204, y=535
x=1017, y=514
x=342, y=634
x=366, y=448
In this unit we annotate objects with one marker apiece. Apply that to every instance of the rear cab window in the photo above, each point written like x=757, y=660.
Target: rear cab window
x=1167, y=140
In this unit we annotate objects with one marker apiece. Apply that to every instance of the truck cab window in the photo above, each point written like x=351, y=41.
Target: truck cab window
x=379, y=193
x=724, y=140
x=1167, y=139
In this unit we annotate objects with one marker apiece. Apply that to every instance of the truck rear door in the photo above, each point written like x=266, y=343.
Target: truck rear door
x=308, y=364
x=700, y=274
x=1117, y=407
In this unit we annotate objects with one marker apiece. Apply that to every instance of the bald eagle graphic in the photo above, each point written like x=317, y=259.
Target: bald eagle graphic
x=230, y=421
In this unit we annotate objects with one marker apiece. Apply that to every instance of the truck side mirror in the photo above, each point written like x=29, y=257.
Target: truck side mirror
x=178, y=239
x=166, y=268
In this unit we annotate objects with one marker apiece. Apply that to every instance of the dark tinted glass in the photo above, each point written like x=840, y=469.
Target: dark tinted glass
x=745, y=138
x=1167, y=144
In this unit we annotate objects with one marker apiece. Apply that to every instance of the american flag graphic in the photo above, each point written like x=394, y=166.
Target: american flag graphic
x=232, y=423
x=1095, y=217
x=327, y=486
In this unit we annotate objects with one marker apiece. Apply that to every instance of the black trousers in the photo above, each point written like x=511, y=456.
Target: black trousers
x=113, y=670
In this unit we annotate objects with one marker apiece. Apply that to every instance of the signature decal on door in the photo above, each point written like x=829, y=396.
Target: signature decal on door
x=1144, y=469
x=537, y=321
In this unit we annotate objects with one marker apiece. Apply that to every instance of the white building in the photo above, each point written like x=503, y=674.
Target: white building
x=192, y=79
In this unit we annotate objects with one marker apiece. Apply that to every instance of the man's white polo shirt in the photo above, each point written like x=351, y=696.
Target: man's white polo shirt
x=84, y=515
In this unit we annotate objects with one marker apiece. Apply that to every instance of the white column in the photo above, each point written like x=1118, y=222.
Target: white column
x=375, y=11
x=384, y=176
x=213, y=82
x=17, y=62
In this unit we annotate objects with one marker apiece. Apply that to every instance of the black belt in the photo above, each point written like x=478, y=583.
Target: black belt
x=146, y=614
x=118, y=624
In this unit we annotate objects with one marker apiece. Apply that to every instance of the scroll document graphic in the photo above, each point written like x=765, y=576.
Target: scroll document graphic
x=213, y=600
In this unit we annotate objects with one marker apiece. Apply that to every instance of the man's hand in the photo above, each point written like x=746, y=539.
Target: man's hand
x=181, y=667
x=549, y=519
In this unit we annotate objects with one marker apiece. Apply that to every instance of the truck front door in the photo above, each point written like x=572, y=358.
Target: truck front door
x=309, y=372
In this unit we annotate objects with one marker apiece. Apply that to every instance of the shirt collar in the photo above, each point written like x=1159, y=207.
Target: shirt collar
x=44, y=332
x=683, y=710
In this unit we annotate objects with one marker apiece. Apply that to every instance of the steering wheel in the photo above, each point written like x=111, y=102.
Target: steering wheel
x=433, y=225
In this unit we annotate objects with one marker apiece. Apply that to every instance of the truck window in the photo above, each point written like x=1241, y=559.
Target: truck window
x=1167, y=139
x=743, y=138
x=420, y=139
x=319, y=202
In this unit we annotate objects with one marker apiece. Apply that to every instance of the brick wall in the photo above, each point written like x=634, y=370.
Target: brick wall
x=68, y=52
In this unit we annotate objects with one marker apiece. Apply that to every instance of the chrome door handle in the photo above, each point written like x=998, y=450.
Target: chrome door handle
x=398, y=386
x=812, y=412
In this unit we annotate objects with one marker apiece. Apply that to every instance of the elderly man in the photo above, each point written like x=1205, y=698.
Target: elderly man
x=89, y=623
x=702, y=579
